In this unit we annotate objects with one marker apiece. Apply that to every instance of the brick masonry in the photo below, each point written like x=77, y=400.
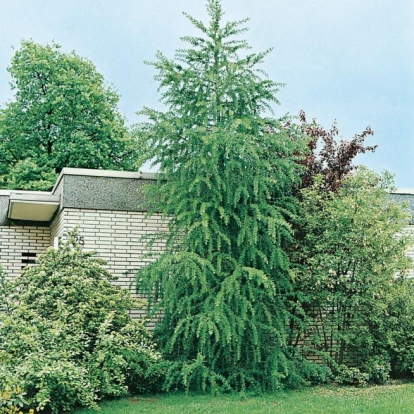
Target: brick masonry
x=108, y=207
x=117, y=236
x=20, y=245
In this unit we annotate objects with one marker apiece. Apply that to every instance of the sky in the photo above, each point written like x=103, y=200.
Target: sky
x=346, y=60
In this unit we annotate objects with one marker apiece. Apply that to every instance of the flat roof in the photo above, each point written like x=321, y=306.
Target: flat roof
x=41, y=206
x=403, y=191
x=104, y=173
x=82, y=191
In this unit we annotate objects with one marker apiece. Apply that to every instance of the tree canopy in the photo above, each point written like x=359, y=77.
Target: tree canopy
x=62, y=115
x=326, y=157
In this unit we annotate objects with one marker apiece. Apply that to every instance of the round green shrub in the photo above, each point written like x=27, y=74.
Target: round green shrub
x=66, y=336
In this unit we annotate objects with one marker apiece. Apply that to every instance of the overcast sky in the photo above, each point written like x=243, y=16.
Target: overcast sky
x=349, y=60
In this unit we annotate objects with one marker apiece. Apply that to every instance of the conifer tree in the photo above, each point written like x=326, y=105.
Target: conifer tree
x=227, y=168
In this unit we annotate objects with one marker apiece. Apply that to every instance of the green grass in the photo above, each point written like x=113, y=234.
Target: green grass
x=387, y=399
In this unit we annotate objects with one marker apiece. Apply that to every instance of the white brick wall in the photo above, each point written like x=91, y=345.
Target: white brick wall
x=17, y=241
x=115, y=235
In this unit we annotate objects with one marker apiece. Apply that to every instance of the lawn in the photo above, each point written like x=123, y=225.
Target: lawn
x=388, y=399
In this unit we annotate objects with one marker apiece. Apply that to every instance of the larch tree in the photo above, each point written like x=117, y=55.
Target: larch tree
x=62, y=115
x=227, y=169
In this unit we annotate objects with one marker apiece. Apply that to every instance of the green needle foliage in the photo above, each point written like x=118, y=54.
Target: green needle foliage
x=63, y=115
x=227, y=169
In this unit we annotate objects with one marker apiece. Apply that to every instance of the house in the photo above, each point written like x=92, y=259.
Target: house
x=107, y=206
x=109, y=209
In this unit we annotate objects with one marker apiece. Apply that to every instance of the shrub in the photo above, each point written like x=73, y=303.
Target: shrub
x=12, y=395
x=396, y=333
x=66, y=336
x=314, y=373
x=378, y=369
x=351, y=376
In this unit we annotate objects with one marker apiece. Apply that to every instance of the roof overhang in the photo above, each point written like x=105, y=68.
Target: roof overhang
x=32, y=206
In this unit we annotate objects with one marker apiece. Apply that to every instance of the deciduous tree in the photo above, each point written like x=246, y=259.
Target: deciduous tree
x=328, y=158
x=62, y=115
x=350, y=263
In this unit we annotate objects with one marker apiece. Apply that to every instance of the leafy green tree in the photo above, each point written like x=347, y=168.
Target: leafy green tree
x=63, y=115
x=350, y=264
x=226, y=173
